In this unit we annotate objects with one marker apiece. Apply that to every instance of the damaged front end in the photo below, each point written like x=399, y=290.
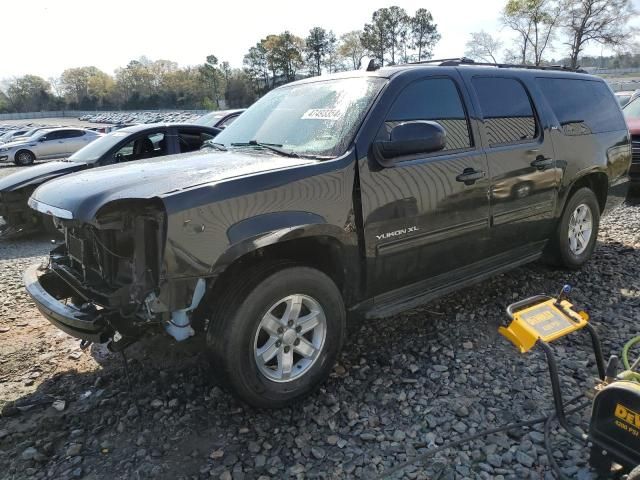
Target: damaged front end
x=108, y=281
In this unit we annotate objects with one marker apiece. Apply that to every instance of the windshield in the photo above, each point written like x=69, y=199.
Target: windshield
x=632, y=109
x=310, y=119
x=97, y=148
x=209, y=120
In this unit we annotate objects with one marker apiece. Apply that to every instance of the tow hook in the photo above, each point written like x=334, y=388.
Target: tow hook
x=84, y=344
x=121, y=344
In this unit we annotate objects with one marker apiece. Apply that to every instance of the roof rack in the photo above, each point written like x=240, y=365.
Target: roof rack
x=454, y=62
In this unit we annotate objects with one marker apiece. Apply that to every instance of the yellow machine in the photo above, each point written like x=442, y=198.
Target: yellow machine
x=614, y=431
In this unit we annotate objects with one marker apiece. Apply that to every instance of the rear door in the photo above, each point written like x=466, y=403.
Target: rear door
x=420, y=218
x=74, y=140
x=524, y=178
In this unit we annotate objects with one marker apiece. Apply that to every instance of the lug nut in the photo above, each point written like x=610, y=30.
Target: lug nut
x=298, y=329
x=286, y=349
x=297, y=341
x=280, y=330
x=290, y=323
x=278, y=343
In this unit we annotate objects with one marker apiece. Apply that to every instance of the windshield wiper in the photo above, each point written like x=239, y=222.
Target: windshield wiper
x=216, y=145
x=274, y=147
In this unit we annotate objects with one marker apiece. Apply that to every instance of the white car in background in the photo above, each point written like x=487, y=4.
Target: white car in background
x=47, y=144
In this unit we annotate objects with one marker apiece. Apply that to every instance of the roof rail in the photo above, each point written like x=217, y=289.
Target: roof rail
x=454, y=62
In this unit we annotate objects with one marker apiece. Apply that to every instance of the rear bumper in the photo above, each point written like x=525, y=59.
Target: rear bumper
x=86, y=325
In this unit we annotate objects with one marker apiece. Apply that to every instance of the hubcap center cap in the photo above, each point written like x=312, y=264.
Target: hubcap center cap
x=289, y=336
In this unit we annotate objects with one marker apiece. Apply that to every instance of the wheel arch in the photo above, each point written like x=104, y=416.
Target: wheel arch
x=327, y=248
x=596, y=180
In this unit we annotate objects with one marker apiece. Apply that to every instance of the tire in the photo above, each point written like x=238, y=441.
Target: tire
x=573, y=253
x=634, y=474
x=239, y=332
x=24, y=158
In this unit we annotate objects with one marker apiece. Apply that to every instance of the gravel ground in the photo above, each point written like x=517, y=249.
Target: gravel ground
x=402, y=385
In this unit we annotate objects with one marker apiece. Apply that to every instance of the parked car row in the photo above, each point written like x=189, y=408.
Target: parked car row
x=366, y=192
x=125, y=145
x=46, y=144
x=140, y=117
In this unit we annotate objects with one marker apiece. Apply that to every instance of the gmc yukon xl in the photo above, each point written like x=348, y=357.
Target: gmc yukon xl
x=363, y=193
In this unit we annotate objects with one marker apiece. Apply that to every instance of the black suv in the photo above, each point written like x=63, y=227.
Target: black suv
x=367, y=192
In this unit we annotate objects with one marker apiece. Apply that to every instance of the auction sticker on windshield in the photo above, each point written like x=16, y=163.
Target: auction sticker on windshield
x=322, y=114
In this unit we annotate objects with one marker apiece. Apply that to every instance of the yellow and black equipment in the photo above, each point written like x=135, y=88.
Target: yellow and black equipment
x=614, y=431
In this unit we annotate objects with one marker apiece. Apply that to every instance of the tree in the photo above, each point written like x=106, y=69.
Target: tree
x=4, y=102
x=596, y=21
x=285, y=54
x=351, y=48
x=29, y=93
x=331, y=62
x=397, y=22
x=535, y=21
x=211, y=76
x=239, y=91
x=316, y=45
x=256, y=65
x=424, y=33
x=483, y=46
x=375, y=36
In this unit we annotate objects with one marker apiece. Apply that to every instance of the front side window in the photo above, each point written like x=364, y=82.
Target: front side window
x=433, y=99
x=582, y=106
x=506, y=110
x=317, y=119
x=146, y=146
x=190, y=140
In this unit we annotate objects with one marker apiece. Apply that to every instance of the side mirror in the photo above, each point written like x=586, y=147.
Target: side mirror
x=409, y=138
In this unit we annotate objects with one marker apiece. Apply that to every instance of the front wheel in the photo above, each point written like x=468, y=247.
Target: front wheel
x=277, y=335
x=577, y=231
x=24, y=158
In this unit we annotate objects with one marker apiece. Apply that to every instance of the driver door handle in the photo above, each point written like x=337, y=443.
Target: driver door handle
x=541, y=162
x=470, y=175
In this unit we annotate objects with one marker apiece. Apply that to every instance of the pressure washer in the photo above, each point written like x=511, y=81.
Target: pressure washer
x=614, y=428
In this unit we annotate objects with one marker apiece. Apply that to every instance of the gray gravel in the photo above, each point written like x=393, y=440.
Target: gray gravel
x=403, y=384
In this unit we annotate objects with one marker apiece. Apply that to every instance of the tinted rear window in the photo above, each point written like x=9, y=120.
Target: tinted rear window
x=506, y=110
x=582, y=106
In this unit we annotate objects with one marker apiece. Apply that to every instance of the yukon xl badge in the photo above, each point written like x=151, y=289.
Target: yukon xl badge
x=397, y=233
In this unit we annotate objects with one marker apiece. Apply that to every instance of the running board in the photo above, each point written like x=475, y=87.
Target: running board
x=401, y=303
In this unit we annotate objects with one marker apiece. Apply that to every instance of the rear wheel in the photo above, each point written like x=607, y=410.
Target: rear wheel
x=577, y=232
x=277, y=335
x=24, y=158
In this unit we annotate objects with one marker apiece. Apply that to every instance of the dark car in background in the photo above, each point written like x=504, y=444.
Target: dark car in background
x=125, y=145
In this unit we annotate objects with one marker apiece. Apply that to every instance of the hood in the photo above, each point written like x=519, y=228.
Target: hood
x=17, y=143
x=81, y=195
x=634, y=125
x=38, y=174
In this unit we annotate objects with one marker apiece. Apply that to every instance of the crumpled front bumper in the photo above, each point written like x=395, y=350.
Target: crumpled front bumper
x=44, y=286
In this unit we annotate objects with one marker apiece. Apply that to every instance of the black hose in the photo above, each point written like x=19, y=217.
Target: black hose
x=511, y=426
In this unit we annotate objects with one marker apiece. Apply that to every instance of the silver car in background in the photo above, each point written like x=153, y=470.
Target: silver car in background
x=47, y=144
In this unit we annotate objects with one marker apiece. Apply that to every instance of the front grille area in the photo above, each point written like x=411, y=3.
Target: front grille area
x=102, y=258
x=635, y=149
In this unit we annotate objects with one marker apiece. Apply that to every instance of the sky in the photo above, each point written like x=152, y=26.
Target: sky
x=48, y=37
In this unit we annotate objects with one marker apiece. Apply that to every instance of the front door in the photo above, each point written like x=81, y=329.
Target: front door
x=425, y=215
x=524, y=178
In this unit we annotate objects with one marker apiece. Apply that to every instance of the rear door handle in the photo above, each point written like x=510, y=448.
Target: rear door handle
x=541, y=162
x=470, y=175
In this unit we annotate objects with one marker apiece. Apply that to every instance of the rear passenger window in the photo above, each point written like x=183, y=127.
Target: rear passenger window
x=582, y=106
x=506, y=110
x=434, y=99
